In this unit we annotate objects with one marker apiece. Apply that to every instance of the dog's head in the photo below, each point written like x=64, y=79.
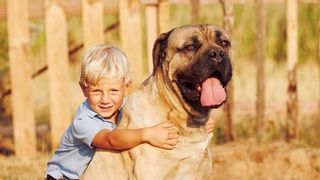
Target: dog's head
x=195, y=59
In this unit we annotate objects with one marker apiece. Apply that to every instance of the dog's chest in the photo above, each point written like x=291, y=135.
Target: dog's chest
x=189, y=159
x=192, y=148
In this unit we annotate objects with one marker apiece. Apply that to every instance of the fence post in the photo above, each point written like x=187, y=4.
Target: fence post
x=131, y=37
x=164, y=16
x=260, y=58
x=292, y=58
x=92, y=18
x=58, y=69
x=20, y=72
x=152, y=29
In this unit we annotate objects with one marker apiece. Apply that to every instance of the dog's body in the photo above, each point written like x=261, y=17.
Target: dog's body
x=188, y=63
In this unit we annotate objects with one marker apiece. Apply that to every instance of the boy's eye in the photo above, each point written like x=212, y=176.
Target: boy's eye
x=96, y=91
x=115, y=90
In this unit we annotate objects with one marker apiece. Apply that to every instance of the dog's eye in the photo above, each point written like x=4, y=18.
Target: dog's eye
x=190, y=47
x=225, y=43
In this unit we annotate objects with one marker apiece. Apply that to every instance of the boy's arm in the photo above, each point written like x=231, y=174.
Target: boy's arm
x=163, y=135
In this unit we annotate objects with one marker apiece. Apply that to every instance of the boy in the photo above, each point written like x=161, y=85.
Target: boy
x=104, y=82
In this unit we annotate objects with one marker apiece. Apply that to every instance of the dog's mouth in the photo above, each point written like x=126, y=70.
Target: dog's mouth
x=205, y=94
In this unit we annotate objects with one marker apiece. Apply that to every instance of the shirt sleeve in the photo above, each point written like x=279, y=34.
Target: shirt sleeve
x=85, y=130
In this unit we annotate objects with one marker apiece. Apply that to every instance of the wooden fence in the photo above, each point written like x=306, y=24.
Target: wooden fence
x=55, y=13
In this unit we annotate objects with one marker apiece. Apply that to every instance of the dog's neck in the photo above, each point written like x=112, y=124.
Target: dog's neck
x=168, y=95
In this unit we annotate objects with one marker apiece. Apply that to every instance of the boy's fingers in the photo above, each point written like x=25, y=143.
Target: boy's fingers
x=173, y=136
x=172, y=131
x=172, y=142
x=170, y=127
x=169, y=147
x=166, y=124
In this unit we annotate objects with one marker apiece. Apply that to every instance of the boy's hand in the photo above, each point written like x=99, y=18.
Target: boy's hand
x=209, y=125
x=163, y=135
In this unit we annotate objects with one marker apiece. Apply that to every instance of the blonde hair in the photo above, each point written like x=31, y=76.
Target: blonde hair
x=104, y=62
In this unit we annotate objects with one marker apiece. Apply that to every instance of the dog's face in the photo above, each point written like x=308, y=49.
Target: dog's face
x=196, y=61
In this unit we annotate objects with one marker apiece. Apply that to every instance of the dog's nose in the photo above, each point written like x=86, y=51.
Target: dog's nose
x=216, y=55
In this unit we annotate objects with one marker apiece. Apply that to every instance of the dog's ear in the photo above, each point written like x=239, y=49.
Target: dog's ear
x=159, y=50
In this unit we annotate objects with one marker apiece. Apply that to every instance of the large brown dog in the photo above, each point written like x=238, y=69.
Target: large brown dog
x=191, y=71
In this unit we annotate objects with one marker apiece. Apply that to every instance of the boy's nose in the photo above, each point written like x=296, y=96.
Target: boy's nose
x=105, y=98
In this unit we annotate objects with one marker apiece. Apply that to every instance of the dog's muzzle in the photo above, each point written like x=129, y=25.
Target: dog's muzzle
x=216, y=55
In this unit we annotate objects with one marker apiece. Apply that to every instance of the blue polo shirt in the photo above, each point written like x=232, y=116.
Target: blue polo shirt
x=75, y=150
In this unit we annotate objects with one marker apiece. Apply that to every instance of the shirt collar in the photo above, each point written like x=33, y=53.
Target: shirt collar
x=87, y=108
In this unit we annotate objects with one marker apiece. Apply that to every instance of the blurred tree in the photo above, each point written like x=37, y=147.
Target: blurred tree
x=318, y=54
x=292, y=58
x=3, y=46
x=4, y=69
x=308, y=17
x=195, y=9
x=276, y=32
x=280, y=48
x=228, y=25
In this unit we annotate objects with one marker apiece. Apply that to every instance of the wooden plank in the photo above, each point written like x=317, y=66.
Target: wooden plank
x=58, y=70
x=292, y=59
x=131, y=37
x=92, y=18
x=260, y=57
x=152, y=31
x=20, y=72
x=164, y=16
x=73, y=7
x=242, y=1
x=70, y=7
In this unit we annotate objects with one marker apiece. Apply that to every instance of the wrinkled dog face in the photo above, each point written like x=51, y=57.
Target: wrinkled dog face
x=196, y=59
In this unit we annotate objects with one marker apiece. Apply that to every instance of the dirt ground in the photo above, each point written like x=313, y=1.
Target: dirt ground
x=239, y=160
x=276, y=161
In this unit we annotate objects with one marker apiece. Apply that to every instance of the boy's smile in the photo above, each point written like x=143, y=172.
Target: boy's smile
x=106, y=97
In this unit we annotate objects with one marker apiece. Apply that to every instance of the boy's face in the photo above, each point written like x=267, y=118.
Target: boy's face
x=106, y=97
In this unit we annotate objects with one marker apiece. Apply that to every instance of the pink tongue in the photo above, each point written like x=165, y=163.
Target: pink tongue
x=212, y=92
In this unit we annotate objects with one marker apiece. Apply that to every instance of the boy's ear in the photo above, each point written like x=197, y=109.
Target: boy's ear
x=84, y=89
x=127, y=88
